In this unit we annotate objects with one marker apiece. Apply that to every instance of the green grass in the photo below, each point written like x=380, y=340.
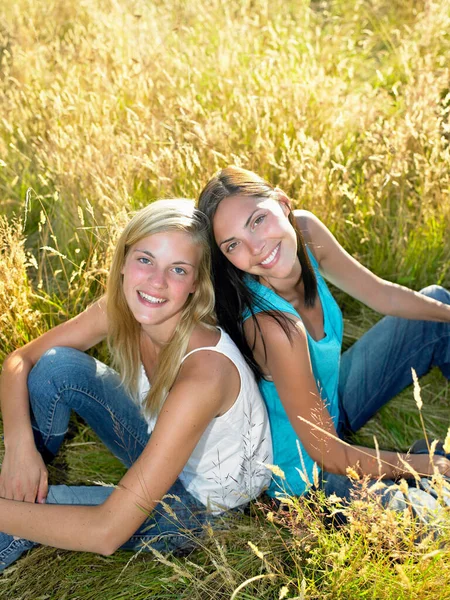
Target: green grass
x=107, y=105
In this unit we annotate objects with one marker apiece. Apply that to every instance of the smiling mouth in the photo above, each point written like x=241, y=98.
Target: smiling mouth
x=151, y=299
x=271, y=256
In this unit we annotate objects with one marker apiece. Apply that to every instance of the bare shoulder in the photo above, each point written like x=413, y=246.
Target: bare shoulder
x=305, y=220
x=270, y=340
x=206, y=365
x=203, y=337
x=276, y=333
x=204, y=360
x=208, y=374
x=315, y=233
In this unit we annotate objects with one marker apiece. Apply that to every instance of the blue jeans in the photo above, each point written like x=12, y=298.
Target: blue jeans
x=378, y=367
x=65, y=379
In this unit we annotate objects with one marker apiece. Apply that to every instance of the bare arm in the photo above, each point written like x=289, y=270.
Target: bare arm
x=24, y=475
x=349, y=275
x=290, y=367
x=199, y=394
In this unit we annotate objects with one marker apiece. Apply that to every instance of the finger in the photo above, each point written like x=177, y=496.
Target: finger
x=30, y=495
x=30, y=491
x=9, y=493
x=43, y=487
x=18, y=492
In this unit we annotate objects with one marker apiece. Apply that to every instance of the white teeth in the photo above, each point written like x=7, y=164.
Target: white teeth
x=270, y=257
x=151, y=298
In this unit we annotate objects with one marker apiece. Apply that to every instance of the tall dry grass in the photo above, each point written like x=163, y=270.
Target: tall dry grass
x=343, y=104
x=106, y=105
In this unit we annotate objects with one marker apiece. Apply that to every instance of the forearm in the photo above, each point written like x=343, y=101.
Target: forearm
x=335, y=455
x=377, y=464
x=403, y=302
x=14, y=400
x=68, y=527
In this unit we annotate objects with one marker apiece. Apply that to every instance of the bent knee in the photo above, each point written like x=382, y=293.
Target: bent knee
x=437, y=292
x=58, y=360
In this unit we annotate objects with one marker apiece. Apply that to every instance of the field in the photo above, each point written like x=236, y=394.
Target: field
x=106, y=105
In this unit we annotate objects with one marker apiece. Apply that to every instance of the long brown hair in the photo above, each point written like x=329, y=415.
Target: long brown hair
x=233, y=297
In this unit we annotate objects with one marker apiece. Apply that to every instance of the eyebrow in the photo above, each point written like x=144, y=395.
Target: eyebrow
x=176, y=262
x=245, y=226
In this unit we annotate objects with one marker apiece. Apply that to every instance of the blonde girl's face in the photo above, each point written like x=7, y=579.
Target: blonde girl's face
x=255, y=235
x=159, y=274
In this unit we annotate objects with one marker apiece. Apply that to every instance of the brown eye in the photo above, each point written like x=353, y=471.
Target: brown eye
x=259, y=220
x=232, y=246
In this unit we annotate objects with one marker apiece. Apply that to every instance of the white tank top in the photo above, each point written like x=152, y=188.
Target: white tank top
x=226, y=468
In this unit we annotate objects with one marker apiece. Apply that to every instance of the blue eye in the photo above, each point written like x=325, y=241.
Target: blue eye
x=144, y=260
x=179, y=271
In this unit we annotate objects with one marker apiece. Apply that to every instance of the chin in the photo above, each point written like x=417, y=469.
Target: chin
x=142, y=318
x=280, y=271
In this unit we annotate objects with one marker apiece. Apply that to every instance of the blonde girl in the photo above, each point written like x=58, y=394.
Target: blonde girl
x=182, y=412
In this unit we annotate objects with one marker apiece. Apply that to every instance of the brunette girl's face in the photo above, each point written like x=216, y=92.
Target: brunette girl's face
x=159, y=274
x=255, y=235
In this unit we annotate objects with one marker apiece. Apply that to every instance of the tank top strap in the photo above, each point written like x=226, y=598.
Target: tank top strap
x=217, y=348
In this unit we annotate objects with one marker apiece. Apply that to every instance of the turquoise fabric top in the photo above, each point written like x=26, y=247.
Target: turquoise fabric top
x=288, y=451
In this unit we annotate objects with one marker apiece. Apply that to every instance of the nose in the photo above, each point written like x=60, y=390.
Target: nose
x=256, y=245
x=158, y=279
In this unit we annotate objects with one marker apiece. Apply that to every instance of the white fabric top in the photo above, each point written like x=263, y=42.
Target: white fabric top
x=226, y=467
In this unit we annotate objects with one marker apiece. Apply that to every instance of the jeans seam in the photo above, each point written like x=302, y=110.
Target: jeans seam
x=15, y=544
x=437, y=339
x=57, y=398
x=51, y=414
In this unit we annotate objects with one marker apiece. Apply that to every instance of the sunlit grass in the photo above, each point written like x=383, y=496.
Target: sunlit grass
x=106, y=105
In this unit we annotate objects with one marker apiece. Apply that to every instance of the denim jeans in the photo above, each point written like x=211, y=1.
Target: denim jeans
x=65, y=379
x=378, y=367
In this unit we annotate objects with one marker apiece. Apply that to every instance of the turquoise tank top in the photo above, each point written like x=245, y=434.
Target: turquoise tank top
x=288, y=452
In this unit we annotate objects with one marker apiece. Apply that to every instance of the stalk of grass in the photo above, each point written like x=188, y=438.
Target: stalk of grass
x=109, y=104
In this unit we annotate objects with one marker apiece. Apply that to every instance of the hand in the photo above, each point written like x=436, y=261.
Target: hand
x=442, y=464
x=426, y=466
x=24, y=476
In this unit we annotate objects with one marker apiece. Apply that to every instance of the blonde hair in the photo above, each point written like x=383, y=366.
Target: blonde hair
x=124, y=331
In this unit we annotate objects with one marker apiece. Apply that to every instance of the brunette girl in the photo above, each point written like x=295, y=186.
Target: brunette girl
x=209, y=431
x=269, y=267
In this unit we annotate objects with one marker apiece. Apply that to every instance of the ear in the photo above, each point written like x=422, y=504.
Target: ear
x=193, y=288
x=283, y=200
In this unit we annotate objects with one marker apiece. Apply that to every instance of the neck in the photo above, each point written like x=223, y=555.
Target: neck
x=286, y=286
x=158, y=336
